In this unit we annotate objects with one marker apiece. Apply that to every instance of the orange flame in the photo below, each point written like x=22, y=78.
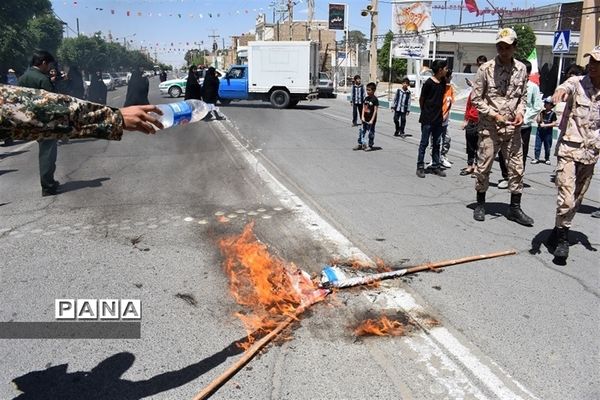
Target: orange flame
x=382, y=327
x=269, y=289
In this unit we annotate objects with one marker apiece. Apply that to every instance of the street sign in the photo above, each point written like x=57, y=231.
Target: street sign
x=560, y=45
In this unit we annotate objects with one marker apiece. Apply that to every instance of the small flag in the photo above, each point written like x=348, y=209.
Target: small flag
x=128, y=13
x=535, y=72
x=112, y=12
x=472, y=6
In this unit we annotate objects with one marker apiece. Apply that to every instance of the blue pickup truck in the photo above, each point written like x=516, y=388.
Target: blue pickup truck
x=282, y=73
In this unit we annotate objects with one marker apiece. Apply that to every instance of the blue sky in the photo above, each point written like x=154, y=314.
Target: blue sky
x=183, y=22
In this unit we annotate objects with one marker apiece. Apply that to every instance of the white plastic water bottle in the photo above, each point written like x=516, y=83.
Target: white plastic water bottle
x=183, y=112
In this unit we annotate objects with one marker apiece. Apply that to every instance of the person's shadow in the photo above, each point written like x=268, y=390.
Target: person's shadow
x=544, y=238
x=104, y=381
x=76, y=185
x=492, y=209
x=12, y=154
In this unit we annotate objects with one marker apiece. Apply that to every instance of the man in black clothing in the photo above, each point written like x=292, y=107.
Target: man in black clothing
x=430, y=101
x=36, y=77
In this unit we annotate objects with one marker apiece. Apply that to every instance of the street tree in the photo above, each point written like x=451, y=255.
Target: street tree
x=383, y=57
x=89, y=53
x=525, y=42
x=24, y=27
x=357, y=38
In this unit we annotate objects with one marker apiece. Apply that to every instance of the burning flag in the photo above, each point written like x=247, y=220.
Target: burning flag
x=382, y=327
x=269, y=288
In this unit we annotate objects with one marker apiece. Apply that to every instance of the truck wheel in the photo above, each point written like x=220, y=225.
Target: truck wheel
x=280, y=99
x=175, y=91
x=225, y=102
x=293, y=103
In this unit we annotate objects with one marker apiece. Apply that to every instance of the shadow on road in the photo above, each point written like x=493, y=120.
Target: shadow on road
x=12, y=154
x=543, y=238
x=7, y=171
x=76, y=141
x=76, y=185
x=268, y=105
x=104, y=381
x=586, y=209
x=492, y=208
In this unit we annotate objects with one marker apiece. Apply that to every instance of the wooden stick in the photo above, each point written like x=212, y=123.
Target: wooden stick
x=251, y=352
x=364, y=280
x=248, y=355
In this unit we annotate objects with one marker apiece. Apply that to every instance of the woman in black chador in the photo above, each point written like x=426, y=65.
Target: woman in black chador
x=193, y=90
x=137, y=90
x=97, y=90
x=210, y=89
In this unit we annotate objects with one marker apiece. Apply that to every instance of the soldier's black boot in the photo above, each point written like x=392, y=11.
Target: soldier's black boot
x=562, y=245
x=515, y=213
x=479, y=211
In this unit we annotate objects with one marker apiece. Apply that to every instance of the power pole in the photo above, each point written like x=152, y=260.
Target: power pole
x=291, y=18
x=214, y=37
x=373, y=49
x=311, y=12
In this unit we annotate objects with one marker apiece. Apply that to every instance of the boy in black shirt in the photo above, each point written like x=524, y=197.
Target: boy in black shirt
x=369, y=119
x=431, y=100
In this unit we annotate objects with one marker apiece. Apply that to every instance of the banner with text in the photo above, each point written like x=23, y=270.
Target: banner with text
x=337, y=15
x=409, y=19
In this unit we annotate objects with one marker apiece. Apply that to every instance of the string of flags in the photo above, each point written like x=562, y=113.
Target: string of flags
x=132, y=13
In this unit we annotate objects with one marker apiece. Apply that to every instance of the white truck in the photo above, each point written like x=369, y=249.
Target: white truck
x=280, y=72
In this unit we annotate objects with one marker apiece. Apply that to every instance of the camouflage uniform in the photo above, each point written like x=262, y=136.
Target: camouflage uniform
x=578, y=146
x=29, y=114
x=500, y=89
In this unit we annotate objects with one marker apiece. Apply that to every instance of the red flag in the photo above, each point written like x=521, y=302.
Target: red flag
x=472, y=6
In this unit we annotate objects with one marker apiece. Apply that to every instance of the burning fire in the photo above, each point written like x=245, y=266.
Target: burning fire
x=382, y=327
x=270, y=289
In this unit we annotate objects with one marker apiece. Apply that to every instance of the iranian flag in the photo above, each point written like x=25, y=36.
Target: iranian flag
x=535, y=72
x=472, y=7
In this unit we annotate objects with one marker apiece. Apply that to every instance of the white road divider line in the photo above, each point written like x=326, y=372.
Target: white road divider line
x=436, y=344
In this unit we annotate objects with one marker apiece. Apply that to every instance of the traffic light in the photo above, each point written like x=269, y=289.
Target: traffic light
x=215, y=46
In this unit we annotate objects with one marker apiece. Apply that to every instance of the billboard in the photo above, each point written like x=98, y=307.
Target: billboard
x=337, y=15
x=408, y=20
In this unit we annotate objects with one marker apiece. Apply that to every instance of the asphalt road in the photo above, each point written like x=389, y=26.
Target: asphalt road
x=509, y=328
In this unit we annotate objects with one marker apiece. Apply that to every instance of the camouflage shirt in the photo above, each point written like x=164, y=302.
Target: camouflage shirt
x=30, y=114
x=500, y=89
x=580, y=136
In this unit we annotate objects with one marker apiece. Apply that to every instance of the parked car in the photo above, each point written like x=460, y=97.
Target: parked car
x=109, y=81
x=121, y=78
x=325, y=86
x=176, y=87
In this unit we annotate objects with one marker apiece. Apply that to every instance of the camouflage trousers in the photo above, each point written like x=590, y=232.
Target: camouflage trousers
x=508, y=141
x=572, y=180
